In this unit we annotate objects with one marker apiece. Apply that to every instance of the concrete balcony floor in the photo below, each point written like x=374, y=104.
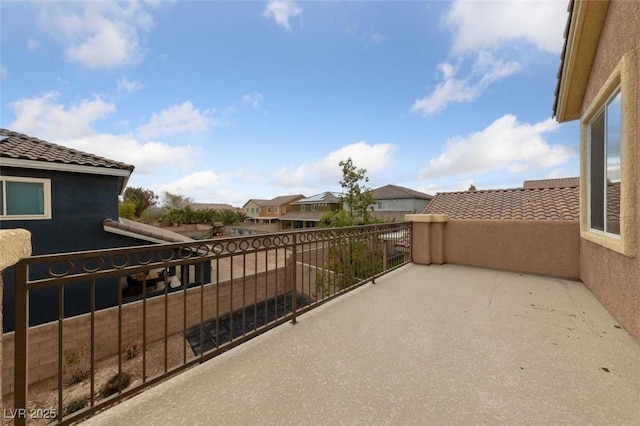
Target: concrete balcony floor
x=424, y=345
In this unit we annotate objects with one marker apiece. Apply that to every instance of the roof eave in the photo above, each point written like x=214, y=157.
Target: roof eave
x=586, y=22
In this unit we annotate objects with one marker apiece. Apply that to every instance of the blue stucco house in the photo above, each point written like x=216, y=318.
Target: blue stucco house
x=68, y=200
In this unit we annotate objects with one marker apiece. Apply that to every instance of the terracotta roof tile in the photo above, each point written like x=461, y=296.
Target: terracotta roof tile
x=552, y=183
x=22, y=147
x=509, y=204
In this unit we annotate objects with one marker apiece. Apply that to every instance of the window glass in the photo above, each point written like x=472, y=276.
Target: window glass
x=24, y=198
x=614, y=119
x=604, y=167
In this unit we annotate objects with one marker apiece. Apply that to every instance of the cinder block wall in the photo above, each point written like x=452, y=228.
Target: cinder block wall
x=229, y=296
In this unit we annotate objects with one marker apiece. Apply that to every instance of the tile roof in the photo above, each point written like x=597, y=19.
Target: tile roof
x=324, y=197
x=22, y=147
x=389, y=192
x=509, y=204
x=145, y=232
x=284, y=199
x=552, y=183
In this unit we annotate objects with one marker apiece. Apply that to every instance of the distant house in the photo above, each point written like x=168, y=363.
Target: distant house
x=598, y=85
x=393, y=202
x=253, y=209
x=269, y=211
x=68, y=200
x=307, y=212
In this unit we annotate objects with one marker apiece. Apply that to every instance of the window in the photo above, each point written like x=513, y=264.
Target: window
x=380, y=204
x=608, y=147
x=277, y=209
x=303, y=208
x=24, y=198
x=604, y=167
x=268, y=209
x=314, y=207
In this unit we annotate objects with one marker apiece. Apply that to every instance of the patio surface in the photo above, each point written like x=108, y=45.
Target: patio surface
x=424, y=345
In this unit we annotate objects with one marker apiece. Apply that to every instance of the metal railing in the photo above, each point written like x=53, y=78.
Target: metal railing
x=176, y=305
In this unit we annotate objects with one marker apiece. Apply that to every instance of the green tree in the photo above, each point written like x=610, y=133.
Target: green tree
x=127, y=210
x=141, y=198
x=356, y=201
x=175, y=201
x=472, y=188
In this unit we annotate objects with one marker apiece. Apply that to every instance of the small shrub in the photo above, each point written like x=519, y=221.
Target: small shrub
x=77, y=366
x=111, y=387
x=76, y=405
x=131, y=351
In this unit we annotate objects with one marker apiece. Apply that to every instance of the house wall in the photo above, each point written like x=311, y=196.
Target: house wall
x=79, y=204
x=537, y=247
x=614, y=278
x=43, y=339
x=407, y=205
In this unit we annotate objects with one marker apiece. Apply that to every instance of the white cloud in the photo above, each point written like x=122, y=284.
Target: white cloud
x=492, y=24
x=462, y=185
x=98, y=34
x=483, y=32
x=194, y=184
x=485, y=71
x=45, y=117
x=71, y=126
x=147, y=157
x=128, y=87
x=4, y=73
x=183, y=118
x=504, y=145
x=373, y=158
x=282, y=12
x=253, y=99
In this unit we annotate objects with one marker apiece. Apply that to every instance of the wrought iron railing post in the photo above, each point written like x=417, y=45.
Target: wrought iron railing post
x=21, y=379
x=294, y=289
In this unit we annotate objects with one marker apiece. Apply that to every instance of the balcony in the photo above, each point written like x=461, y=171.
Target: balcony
x=404, y=343
x=423, y=345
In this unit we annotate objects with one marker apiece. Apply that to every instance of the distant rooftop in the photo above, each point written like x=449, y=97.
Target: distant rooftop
x=325, y=197
x=389, y=192
x=509, y=204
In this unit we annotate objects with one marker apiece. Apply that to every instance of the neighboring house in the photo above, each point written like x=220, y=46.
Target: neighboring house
x=253, y=208
x=307, y=212
x=598, y=84
x=393, y=202
x=67, y=199
x=269, y=211
x=508, y=204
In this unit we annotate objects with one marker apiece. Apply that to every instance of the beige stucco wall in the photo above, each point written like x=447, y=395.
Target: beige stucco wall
x=613, y=277
x=537, y=247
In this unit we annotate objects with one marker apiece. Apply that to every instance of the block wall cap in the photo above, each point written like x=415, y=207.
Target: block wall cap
x=426, y=218
x=15, y=244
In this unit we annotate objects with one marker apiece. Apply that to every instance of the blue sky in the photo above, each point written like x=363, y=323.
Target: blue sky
x=227, y=101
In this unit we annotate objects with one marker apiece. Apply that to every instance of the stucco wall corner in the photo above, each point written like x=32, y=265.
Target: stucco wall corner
x=15, y=244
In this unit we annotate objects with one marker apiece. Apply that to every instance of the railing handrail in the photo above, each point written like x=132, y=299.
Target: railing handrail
x=312, y=267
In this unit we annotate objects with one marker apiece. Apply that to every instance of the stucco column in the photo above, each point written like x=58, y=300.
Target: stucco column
x=15, y=244
x=427, y=237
